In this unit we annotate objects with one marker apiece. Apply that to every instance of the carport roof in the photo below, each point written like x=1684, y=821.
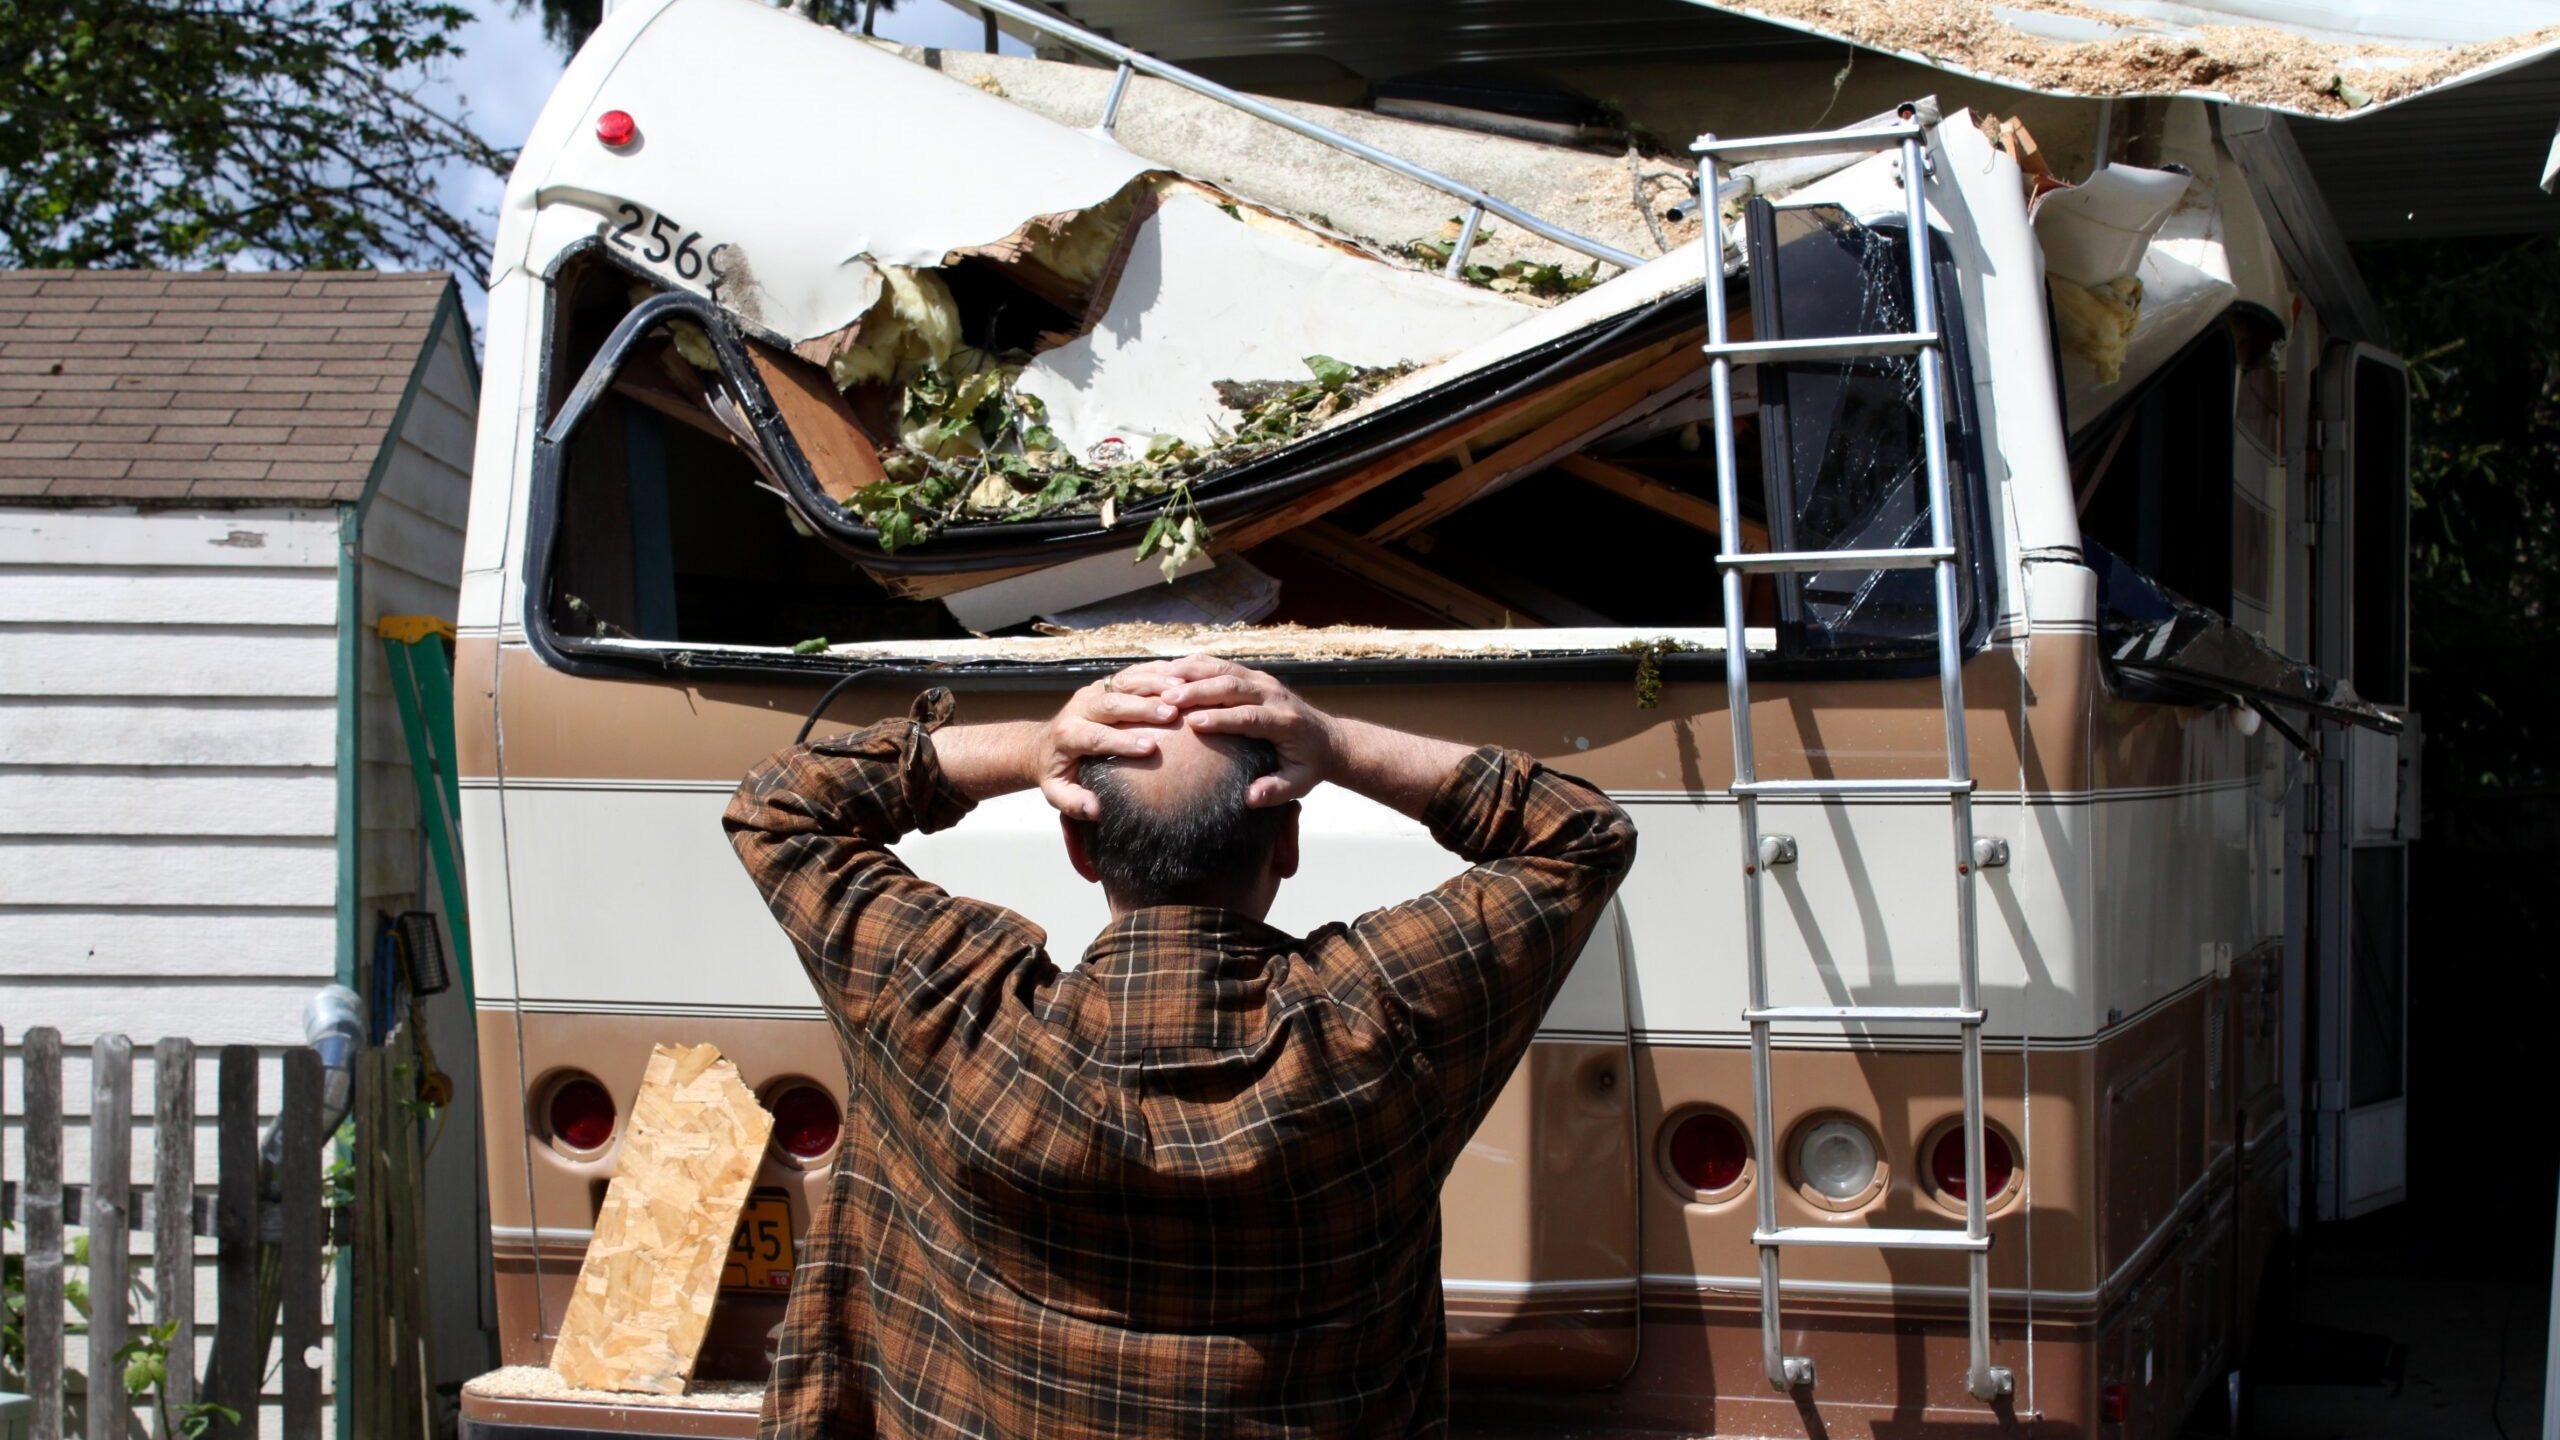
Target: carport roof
x=2459, y=99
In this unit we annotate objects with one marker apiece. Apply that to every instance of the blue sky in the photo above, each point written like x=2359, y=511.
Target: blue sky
x=507, y=70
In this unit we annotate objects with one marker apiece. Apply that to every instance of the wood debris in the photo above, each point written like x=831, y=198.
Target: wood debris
x=636, y=1319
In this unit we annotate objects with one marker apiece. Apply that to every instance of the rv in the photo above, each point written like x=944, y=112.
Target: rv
x=1968, y=540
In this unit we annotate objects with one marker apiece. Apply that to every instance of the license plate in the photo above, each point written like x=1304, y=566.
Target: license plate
x=760, y=1253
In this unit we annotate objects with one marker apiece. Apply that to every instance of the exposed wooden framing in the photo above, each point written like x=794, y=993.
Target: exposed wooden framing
x=1525, y=412
x=644, y=379
x=1666, y=380
x=1522, y=594
x=1760, y=592
x=1693, y=511
x=841, y=456
x=1400, y=576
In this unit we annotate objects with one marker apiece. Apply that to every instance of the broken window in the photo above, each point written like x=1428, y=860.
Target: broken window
x=2154, y=480
x=1566, y=489
x=1842, y=441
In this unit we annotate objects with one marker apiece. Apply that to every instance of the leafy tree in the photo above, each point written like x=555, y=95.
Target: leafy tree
x=2479, y=321
x=189, y=132
x=568, y=23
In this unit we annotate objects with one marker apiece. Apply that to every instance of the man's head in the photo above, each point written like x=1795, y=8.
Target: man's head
x=1174, y=827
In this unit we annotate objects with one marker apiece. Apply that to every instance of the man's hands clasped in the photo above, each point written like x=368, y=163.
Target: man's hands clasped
x=1116, y=715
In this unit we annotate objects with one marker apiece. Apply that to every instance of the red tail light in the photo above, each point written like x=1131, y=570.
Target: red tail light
x=616, y=128
x=2112, y=1401
x=807, y=1122
x=1708, y=1152
x=581, y=1113
x=1946, y=1163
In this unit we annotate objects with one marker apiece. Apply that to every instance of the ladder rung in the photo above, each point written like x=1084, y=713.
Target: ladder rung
x=1866, y=1237
x=1823, y=347
x=1929, y=1014
x=1898, y=557
x=1846, y=788
x=1818, y=142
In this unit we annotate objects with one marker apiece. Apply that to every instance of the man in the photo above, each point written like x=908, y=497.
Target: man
x=1190, y=1187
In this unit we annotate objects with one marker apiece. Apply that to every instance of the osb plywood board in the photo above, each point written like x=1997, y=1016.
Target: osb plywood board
x=644, y=1296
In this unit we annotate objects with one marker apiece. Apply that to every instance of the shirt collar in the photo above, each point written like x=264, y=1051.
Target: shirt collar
x=1185, y=977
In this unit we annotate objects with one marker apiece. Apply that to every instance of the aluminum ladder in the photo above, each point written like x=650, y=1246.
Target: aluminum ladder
x=1984, y=1380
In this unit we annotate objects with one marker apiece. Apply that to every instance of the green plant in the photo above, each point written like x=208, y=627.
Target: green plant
x=974, y=447
x=1649, y=655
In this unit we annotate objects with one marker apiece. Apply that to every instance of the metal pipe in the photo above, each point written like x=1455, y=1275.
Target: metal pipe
x=1457, y=265
x=1119, y=91
x=1737, y=681
x=1146, y=64
x=1980, y=1377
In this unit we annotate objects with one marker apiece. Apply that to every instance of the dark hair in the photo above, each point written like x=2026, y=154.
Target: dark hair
x=1204, y=850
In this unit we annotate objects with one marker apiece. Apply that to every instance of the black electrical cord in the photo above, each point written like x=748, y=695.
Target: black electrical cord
x=843, y=683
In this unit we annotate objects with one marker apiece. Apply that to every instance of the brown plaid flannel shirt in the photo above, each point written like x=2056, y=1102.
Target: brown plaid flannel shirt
x=1189, y=1188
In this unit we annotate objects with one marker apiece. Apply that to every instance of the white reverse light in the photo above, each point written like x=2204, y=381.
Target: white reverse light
x=1837, y=1159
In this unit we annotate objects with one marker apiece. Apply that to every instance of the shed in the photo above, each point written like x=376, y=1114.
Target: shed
x=212, y=485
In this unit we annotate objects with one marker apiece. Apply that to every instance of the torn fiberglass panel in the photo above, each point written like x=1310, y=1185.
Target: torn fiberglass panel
x=1842, y=452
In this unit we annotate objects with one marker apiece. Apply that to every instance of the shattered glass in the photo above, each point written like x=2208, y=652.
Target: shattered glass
x=2160, y=646
x=1843, y=453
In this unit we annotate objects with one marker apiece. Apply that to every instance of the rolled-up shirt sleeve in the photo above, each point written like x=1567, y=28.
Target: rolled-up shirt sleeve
x=1475, y=962
x=813, y=825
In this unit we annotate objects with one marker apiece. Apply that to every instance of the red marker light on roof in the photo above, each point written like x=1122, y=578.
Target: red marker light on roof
x=616, y=128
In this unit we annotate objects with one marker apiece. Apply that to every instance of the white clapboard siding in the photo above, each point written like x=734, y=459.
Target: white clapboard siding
x=406, y=538
x=146, y=942
x=160, y=870
x=195, y=730
x=259, y=1011
x=166, y=594
x=168, y=660
x=284, y=538
x=168, y=800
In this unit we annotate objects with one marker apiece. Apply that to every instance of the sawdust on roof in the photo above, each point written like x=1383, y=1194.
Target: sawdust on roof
x=2252, y=64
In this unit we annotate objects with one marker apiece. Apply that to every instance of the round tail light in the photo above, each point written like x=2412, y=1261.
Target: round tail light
x=806, y=1122
x=616, y=128
x=1946, y=1163
x=581, y=1113
x=1708, y=1152
x=1837, y=1159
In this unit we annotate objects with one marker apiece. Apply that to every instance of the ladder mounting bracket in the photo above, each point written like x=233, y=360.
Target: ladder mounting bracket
x=1777, y=850
x=1990, y=852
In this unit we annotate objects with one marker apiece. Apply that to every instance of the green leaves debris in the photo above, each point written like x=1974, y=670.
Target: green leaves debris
x=973, y=447
x=1519, y=277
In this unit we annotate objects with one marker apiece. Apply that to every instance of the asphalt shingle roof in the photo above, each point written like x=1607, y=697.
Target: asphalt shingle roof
x=144, y=386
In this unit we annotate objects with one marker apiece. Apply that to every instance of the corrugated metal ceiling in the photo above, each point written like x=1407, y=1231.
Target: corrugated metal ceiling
x=2466, y=161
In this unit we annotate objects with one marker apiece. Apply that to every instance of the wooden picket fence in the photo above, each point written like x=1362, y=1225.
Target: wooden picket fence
x=284, y=1236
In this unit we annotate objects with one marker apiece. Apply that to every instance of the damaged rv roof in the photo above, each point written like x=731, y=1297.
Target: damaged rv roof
x=2324, y=58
